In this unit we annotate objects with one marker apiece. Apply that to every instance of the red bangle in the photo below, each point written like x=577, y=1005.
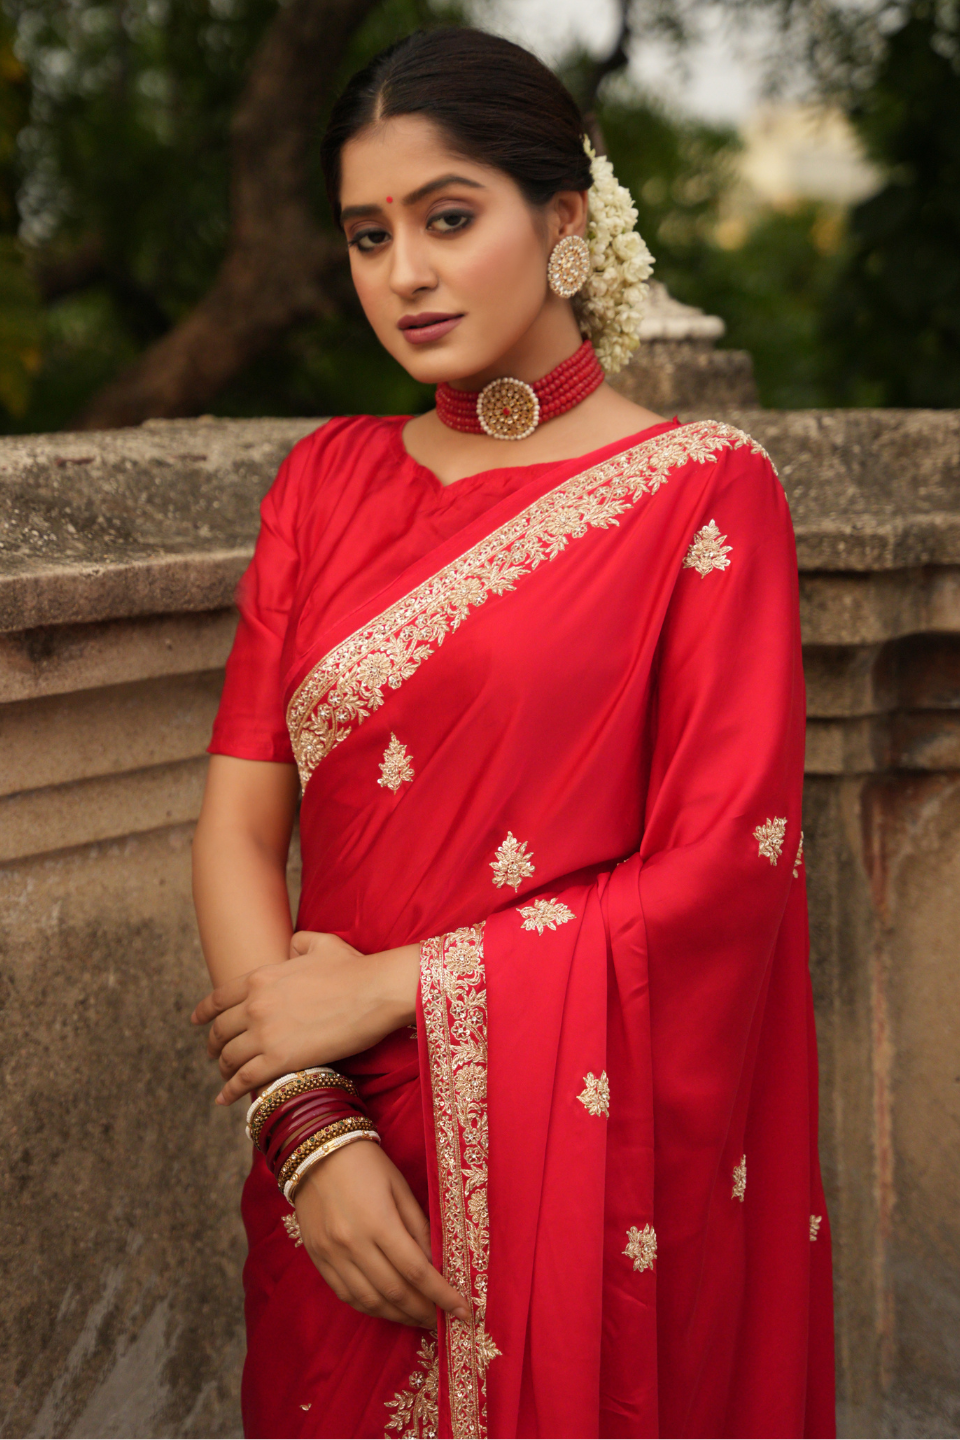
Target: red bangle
x=301, y=1118
x=291, y=1134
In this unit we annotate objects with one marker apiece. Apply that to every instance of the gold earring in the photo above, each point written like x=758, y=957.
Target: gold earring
x=568, y=266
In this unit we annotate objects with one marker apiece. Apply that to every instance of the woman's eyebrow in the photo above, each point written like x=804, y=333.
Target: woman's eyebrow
x=362, y=212
x=438, y=184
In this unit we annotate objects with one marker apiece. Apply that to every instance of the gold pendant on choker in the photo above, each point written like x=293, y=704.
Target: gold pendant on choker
x=508, y=409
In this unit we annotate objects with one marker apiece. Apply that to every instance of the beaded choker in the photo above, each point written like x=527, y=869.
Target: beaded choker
x=509, y=409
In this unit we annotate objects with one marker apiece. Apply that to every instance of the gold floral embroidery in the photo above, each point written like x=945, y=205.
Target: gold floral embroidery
x=545, y=915
x=815, y=1222
x=596, y=1096
x=770, y=837
x=796, y=863
x=708, y=551
x=740, y=1179
x=347, y=685
x=512, y=863
x=395, y=768
x=417, y=1416
x=454, y=1000
x=641, y=1247
x=292, y=1226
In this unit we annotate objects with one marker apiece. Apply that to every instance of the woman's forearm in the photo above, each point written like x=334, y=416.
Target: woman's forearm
x=239, y=866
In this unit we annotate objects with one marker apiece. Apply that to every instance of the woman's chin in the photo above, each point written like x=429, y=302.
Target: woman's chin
x=444, y=360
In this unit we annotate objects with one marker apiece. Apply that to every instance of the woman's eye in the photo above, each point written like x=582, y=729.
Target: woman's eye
x=369, y=240
x=450, y=220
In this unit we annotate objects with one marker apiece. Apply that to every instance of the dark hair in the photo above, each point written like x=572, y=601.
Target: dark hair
x=498, y=105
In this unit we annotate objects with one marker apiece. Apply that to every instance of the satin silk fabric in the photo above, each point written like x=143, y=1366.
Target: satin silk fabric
x=628, y=707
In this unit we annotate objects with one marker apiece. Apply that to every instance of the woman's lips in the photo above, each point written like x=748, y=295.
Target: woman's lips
x=421, y=329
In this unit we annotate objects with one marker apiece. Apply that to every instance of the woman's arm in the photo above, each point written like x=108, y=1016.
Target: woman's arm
x=359, y=1219
x=240, y=865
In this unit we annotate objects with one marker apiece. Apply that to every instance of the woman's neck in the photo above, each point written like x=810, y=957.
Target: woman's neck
x=604, y=417
x=553, y=338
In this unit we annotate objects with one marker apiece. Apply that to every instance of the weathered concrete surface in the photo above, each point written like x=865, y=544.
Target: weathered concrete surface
x=118, y=1212
x=671, y=375
x=121, y=1311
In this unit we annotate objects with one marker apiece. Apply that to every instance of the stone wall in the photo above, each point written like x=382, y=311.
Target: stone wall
x=118, y=1228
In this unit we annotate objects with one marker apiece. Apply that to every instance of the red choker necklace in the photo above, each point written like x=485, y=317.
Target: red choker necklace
x=509, y=409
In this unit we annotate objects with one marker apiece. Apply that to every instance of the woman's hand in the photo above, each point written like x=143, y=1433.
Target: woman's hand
x=325, y=1002
x=368, y=1237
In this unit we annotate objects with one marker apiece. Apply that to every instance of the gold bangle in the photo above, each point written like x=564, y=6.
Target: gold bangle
x=305, y=1166
x=301, y=1085
x=330, y=1132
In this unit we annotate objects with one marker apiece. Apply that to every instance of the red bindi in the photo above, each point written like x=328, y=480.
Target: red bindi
x=389, y=199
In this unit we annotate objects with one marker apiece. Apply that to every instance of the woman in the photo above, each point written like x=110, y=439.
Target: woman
x=536, y=654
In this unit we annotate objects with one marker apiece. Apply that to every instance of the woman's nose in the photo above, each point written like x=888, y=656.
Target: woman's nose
x=410, y=269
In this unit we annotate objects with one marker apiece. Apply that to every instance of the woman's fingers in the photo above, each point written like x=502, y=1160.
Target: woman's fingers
x=393, y=1289
x=355, y=1287
x=250, y=1076
x=411, y=1214
x=238, y=1052
x=225, y=996
x=406, y=1256
x=227, y=1025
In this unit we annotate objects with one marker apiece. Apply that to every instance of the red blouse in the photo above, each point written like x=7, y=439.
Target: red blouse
x=349, y=510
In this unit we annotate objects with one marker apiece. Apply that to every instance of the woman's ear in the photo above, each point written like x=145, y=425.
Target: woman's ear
x=569, y=213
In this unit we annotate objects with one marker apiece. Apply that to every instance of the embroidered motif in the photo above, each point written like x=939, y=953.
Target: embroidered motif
x=796, y=863
x=596, y=1096
x=417, y=1416
x=740, y=1179
x=347, y=685
x=545, y=915
x=454, y=1000
x=395, y=768
x=708, y=551
x=815, y=1222
x=512, y=864
x=770, y=837
x=641, y=1247
x=292, y=1226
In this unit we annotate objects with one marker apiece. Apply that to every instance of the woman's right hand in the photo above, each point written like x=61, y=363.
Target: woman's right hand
x=368, y=1237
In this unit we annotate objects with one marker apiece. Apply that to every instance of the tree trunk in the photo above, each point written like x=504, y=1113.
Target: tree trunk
x=279, y=261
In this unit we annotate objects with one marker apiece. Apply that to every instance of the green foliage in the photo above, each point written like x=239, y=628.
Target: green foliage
x=20, y=317
x=128, y=148
x=114, y=142
x=892, y=321
x=768, y=279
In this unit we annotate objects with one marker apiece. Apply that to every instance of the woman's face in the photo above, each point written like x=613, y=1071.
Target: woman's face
x=448, y=258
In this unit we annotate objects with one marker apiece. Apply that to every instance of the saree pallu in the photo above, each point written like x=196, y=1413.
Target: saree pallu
x=563, y=749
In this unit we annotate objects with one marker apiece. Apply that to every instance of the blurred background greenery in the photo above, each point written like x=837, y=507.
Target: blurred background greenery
x=115, y=203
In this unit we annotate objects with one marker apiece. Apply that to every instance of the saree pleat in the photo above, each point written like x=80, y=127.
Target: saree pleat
x=561, y=745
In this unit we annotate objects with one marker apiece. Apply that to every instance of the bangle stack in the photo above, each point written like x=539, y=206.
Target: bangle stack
x=303, y=1117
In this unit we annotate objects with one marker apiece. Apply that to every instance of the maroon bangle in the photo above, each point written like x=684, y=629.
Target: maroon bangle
x=316, y=1101
x=295, y=1123
x=314, y=1106
x=292, y=1089
x=290, y=1139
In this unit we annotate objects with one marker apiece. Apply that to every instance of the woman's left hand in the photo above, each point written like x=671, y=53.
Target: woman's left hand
x=325, y=1002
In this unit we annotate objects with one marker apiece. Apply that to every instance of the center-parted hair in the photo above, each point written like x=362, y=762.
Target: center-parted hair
x=494, y=102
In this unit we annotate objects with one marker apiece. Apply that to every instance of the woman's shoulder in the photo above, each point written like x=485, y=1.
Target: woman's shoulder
x=334, y=453
x=342, y=434
x=740, y=489
x=718, y=440
x=739, y=464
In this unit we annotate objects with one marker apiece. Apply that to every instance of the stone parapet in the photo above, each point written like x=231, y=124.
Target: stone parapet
x=119, y=554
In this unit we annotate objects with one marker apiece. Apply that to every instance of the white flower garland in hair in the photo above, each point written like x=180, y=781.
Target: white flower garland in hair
x=611, y=303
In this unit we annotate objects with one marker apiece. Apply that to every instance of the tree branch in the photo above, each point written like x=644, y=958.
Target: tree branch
x=279, y=261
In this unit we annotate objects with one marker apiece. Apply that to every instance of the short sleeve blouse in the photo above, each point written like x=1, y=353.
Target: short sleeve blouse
x=349, y=510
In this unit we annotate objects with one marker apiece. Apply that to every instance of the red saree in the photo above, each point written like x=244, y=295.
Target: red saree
x=549, y=721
